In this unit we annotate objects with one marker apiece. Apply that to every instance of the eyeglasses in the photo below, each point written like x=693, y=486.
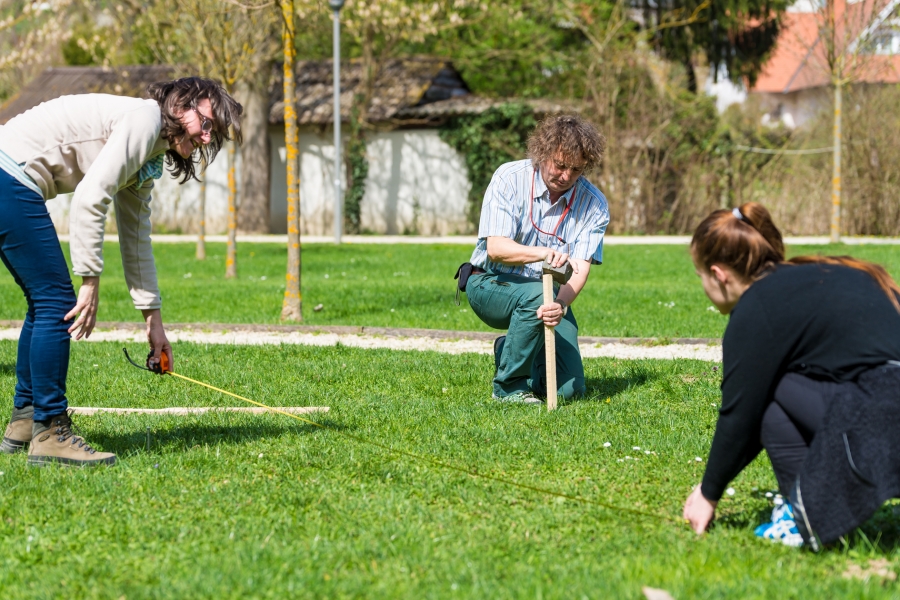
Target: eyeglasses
x=206, y=124
x=573, y=169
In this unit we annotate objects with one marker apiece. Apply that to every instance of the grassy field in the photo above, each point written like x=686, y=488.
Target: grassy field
x=238, y=506
x=640, y=291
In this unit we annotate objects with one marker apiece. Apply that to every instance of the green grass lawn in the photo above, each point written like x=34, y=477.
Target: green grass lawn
x=640, y=291
x=239, y=506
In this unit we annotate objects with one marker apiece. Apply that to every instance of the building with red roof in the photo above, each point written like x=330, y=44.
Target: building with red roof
x=796, y=82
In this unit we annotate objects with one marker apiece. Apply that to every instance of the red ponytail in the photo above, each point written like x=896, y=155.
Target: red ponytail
x=746, y=240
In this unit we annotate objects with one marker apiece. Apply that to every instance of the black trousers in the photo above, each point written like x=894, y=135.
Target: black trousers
x=790, y=423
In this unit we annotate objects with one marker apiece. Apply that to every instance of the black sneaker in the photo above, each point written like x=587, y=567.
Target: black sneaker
x=498, y=349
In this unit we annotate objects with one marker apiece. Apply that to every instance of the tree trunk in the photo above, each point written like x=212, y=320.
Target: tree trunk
x=254, y=95
x=291, y=308
x=836, y=167
x=201, y=234
x=231, y=252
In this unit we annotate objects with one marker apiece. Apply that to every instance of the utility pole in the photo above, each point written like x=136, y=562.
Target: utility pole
x=336, y=6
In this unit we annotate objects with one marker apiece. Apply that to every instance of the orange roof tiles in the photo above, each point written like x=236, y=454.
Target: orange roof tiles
x=799, y=60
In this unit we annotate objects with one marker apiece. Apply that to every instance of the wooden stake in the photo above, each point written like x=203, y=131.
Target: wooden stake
x=550, y=346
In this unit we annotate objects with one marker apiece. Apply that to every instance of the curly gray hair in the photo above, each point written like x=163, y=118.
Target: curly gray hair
x=568, y=137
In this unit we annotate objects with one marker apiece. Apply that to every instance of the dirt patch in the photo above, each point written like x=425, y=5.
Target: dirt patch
x=879, y=568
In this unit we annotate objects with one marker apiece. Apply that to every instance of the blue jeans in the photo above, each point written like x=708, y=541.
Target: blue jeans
x=30, y=250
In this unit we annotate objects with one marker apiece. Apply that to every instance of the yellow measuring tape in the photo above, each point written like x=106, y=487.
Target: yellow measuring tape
x=428, y=459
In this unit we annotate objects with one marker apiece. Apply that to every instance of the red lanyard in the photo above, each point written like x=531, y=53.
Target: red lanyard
x=569, y=204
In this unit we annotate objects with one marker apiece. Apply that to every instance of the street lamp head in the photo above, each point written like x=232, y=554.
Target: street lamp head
x=336, y=4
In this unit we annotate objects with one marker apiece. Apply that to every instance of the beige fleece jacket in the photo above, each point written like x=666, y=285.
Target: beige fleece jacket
x=94, y=145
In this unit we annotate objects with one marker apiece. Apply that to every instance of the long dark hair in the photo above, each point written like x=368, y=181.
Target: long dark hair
x=746, y=240
x=180, y=95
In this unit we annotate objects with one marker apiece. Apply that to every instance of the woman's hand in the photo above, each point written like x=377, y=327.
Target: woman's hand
x=699, y=511
x=156, y=335
x=85, y=308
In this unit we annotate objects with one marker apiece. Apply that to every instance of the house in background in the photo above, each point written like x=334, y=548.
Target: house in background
x=416, y=182
x=795, y=83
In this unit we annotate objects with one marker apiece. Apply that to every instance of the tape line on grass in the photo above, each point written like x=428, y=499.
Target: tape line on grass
x=436, y=462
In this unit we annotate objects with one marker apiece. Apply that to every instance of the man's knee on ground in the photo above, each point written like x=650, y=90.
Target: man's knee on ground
x=573, y=388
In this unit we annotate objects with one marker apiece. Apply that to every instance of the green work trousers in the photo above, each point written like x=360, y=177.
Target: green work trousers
x=510, y=302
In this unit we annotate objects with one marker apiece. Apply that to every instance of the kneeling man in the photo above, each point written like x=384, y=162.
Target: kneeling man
x=536, y=209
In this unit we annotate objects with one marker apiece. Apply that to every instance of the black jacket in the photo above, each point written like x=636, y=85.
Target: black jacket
x=821, y=321
x=853, y=464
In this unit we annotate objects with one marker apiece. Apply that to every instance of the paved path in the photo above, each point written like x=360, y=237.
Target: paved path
x=451, y=342
x=610, y=240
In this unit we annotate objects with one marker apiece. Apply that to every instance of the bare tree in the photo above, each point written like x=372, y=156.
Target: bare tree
x=201, y=228
x=845, y=50
x=292, y=306
x=233, y=42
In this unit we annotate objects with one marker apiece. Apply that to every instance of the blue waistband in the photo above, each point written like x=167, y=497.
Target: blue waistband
x=16, y=170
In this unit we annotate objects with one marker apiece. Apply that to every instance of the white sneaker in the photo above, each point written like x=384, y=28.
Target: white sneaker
x=519, y=398
x=782, y=528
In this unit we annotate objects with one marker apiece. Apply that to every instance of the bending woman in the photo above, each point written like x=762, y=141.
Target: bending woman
x=807, y=375
x=107, y=150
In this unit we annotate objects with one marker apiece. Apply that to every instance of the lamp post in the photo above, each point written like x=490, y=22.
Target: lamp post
x=336, y=6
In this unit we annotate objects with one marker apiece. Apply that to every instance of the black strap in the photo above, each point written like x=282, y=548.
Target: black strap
x=463, y=273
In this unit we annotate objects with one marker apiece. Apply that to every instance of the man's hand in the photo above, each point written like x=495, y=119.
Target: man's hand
x=699, y=511
x=556, y=259
x=85, y=308
x=552, y=313
x=156, y=335
x=509, y=252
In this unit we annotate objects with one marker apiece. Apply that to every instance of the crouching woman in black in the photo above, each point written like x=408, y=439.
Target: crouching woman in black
x=808, y=374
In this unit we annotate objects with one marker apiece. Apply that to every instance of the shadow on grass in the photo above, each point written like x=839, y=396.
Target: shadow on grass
x=186, y=437
x=601, y=388
x=880, y=535
x=7, y=369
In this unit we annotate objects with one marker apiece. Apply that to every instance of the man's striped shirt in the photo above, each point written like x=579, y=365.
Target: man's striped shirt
x=510, y=206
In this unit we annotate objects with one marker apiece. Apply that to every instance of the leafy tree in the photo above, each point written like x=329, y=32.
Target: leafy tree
x=30, y=34
x=515, y=48
x=735, y=35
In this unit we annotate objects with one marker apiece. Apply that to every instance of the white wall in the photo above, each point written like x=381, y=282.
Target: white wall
x=174, y=207
x=794, y=109
x=416, y=184
x=726, y=92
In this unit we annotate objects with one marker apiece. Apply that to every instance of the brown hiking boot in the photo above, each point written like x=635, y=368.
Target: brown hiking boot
x=58, y=444
x=18, y=432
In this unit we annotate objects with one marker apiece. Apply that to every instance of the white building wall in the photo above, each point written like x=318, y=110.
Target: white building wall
x=795, y=109
x=174, y=207
x=416, y=184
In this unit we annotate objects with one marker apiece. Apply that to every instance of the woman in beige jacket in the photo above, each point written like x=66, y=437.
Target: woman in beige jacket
x=107, y=150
